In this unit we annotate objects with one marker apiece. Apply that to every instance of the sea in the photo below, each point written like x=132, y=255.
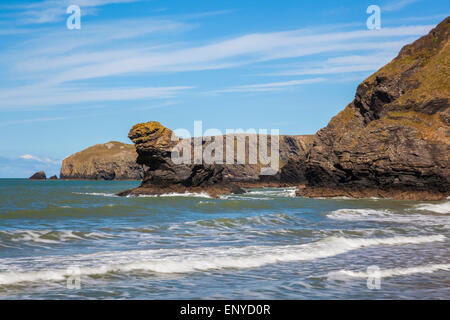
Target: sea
x=78, y=240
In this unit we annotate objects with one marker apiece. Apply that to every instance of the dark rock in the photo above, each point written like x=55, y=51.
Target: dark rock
x=38, y=176
x=154, y=145
x=394, y=137
x=53, y=177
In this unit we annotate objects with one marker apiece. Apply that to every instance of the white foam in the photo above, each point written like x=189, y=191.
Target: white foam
x=243, y=197
x=388, y=216
x=202, y=259
x=269, y=219
x=277, y=192
x=41, y=236
x=387, y=273
x=206, y=202
x=175, y=194
x=438, y=207
x=102, y=194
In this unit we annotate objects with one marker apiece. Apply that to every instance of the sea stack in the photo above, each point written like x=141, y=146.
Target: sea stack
x=393, y=140
x=38, y=176
x=154, y=145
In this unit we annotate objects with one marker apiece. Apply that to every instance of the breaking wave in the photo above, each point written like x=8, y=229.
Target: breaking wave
x=202, y=259
x=388, y=216
x=269, y=219
x=101, y=194
x=387, y=273
x=49, y=236
x=277, y=192
x=438, y=207
x=175, y=194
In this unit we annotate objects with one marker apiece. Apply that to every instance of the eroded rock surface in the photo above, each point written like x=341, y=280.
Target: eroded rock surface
x=394, y=137
x=155, y=143
x=108, y=161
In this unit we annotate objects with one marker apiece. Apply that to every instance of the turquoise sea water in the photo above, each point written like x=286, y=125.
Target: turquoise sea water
x=75, y=239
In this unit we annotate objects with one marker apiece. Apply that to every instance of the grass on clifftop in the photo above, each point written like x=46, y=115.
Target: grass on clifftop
x=104, y=151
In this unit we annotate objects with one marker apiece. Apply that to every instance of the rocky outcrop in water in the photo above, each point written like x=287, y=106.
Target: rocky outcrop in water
x=108, y=161
x=117, y=161
x=54, y=177
x=38, y=176
x=154, y=145
x=393, y=140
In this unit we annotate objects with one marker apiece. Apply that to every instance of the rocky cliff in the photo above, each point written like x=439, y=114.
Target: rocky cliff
x=155, y=144
x=109, y=161
x=393, y=139
x=117, y=161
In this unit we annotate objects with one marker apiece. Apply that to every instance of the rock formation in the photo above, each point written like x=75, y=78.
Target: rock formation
x=38, y=176
x=154, y=145
x=393, y=140
x=115, y=160
x=109, y=161
x=53, y=177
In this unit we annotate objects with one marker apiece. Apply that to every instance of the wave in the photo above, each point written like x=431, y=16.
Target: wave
x=174, y=194
x=388, y=216
x=241, y=198
x=49, y=236
x=262, y=194
x=203, y=259
x=278, y=192
x=268, y=219
x=388, y=273
x=438, y=208
x=101, y=194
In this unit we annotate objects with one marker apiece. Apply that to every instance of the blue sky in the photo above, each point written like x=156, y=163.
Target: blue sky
x=289, y=65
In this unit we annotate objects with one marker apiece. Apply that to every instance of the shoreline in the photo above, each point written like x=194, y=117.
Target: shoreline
x=301, y=191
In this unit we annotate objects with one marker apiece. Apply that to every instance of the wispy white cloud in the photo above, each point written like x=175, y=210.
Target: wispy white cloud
x=235, y=52
x=59, y=67
x=398, y=5
x=36, y=97
x=34, y=120
x=26, y=165
x=340, y=65
x=49, y=11
x=264, y=87
x=43, y=160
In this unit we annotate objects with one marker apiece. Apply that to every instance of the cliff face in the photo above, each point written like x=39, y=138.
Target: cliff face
x=291, y=148
x=154, y=145
x=394, y=136
x=109, y=161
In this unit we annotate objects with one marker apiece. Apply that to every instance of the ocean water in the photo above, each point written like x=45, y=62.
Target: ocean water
x=76, y=240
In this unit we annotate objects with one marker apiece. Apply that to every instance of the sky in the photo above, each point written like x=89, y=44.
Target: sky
x=289, y=65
